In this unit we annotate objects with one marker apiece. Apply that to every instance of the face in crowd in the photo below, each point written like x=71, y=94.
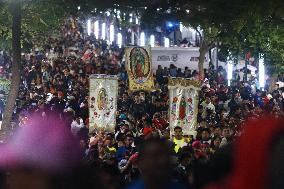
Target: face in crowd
x=207, y=100
x=226, y=132
x=128, y=141
x=137, y=99
x=178, y=133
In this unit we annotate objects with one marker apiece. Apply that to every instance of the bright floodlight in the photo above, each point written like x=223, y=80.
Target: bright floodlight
x=118, y=14
x=142, y=39
x=136, y=20
x=103, y=31
x=97, y=29
x=261, y=73
x=170, y=24
x=230, y=72
x=152, y=41
x=111, y=31
x=167, y=42
x=131, y=19
x=89, y=27
x=79, y=7
x=180, y=27
x=119, y=40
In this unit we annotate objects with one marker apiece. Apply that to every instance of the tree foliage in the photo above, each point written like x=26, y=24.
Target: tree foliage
x=40, y=20
x=239, y=25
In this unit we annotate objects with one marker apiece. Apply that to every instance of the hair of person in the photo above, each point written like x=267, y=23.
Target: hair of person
x=129, y=135
x=206, y=130
x=225, y=127
x=177, y=127
x=183, y=155
x=143, y=145
x=214, y=138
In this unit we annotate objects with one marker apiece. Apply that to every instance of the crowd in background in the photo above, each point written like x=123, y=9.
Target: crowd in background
x=55, y=82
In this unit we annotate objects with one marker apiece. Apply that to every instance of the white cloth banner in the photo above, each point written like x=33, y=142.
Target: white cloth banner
x=183, y=105
x=103, y=102
x=179, y=56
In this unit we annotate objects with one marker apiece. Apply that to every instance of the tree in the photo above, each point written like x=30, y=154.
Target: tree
x=25, y=19
x=258, y=30
x=16, y=46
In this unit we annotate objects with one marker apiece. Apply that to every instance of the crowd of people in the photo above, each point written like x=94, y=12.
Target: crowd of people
x=55, y=82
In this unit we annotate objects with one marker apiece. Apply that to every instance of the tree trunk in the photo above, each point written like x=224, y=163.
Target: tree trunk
x=16, y=67
x=202, y=52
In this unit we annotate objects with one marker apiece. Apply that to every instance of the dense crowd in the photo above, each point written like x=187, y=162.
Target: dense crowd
x=55, y=82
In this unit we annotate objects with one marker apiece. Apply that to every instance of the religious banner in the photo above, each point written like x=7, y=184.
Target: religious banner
x=184, y=96
x=139, y=68
x=102, y=103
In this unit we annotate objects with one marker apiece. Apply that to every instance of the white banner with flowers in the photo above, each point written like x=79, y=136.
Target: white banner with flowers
x=102, y=102
x=184, y=96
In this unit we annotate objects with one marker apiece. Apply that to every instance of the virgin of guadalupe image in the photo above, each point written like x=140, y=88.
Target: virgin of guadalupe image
x=182, y=108
x=140, y=66
x=102, y=99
